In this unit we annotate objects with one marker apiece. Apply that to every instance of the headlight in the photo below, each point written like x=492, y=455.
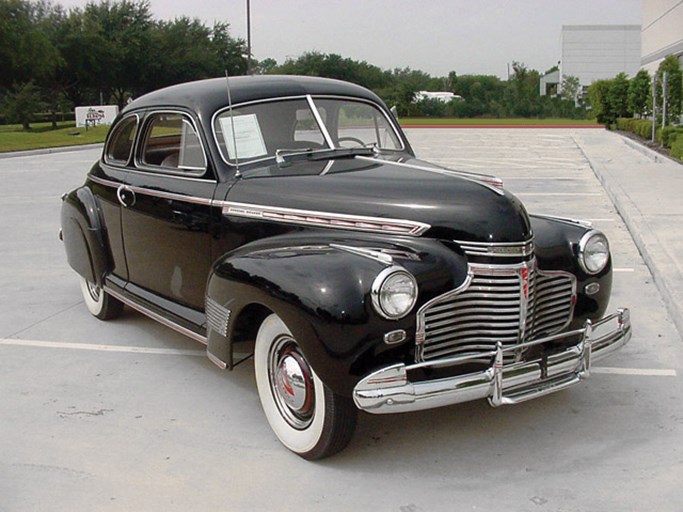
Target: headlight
x=593, y=252
x=394, y=293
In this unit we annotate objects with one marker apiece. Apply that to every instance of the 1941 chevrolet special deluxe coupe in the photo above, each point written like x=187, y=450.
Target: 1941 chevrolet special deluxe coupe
x=289, y=218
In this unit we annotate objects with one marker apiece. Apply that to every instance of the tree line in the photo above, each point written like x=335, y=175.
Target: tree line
x=624, y=97
x=113, y=50
x=53, y=59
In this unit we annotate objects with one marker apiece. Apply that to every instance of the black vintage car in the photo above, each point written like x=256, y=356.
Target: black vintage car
x=288, y=218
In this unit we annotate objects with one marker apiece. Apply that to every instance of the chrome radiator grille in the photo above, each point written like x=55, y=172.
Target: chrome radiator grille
x=506, y=303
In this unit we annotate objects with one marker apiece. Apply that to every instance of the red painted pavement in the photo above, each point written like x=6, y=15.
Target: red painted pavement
x=573, y=126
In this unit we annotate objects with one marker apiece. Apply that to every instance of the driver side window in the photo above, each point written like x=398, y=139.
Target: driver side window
x=172, y=144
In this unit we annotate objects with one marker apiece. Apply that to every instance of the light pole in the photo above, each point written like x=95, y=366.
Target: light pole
x=248, y=37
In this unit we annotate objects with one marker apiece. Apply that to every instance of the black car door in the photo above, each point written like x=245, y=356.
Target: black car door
x=166, y=218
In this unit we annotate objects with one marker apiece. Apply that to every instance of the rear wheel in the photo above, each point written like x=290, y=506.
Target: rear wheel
x=306, y=416
x=100, y=303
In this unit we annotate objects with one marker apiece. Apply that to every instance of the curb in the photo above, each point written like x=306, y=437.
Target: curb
x=48, y=151
x=651, y=154
x=643, y=237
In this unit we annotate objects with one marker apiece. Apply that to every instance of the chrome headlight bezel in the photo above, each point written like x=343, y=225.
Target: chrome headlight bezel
x=589, y=246
x=382, y=295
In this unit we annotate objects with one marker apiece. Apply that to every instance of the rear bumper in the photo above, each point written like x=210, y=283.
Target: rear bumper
x=389, y=390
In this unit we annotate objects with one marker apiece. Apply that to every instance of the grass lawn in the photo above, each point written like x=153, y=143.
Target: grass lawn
x=438, y=121
x=14, y=138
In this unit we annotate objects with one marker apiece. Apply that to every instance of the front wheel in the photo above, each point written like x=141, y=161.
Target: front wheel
x=306, y=416
x=100, y=303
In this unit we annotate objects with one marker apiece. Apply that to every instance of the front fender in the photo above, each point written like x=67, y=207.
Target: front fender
x=557, y=248
x=83, y=235
x=322, y=291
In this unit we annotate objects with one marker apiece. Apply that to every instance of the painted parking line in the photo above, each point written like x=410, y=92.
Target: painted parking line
x=548, y=178
x=558, y=194
x=643, y=372
x=623, y=270
x=104, y=348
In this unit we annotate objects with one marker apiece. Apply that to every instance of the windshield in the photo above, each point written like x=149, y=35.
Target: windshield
x=263, y=130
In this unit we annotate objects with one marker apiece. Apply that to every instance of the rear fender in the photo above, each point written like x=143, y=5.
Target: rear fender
x=83, y=235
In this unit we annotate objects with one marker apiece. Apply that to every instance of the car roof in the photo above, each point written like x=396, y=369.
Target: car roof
x=207, y=96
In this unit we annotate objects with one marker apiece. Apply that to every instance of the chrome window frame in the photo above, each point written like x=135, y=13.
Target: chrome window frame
x=141, y=166
x=105, y=151
x=310, y=100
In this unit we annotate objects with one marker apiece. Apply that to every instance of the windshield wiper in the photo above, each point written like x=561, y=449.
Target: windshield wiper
x=283, y=156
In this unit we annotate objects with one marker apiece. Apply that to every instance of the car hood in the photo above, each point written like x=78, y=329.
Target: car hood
x=455, y=208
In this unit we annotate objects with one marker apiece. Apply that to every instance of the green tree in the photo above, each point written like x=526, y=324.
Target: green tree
x=265, y=67
x=124, y=31
x=617, y=96
x=20, y=105
x=571, y=87
x=598, y=98
x=335, y=66
x=639, y=93
x=185, y=49
x=521, y=97
x=26, y=52
x=672, y=67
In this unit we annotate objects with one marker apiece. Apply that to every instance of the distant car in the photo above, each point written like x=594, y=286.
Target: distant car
x=289, y=217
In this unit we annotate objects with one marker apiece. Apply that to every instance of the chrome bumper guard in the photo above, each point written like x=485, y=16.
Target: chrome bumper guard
x=389, y=391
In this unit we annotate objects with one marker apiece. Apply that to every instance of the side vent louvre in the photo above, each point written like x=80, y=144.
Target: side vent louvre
x=217, y=317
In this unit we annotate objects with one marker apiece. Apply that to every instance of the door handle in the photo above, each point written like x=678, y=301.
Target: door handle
x=126, y=196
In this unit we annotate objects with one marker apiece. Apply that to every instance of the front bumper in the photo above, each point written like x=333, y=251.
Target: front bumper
x=388, y=390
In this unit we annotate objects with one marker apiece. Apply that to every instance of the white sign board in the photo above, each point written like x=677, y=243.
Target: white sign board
x=96, y=115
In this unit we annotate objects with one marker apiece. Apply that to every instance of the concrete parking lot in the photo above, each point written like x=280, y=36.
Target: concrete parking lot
x=129, y=415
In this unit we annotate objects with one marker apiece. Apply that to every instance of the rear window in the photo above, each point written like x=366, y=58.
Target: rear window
x=120, y=144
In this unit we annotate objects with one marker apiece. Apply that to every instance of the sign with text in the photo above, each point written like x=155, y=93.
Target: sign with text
x=96, y=115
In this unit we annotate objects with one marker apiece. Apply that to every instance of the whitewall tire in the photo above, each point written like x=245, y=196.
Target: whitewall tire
x=99, y=302
x=305, y=415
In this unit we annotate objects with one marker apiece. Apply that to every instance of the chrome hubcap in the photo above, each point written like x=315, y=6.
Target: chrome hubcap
x=291, y=383
x=94, y=291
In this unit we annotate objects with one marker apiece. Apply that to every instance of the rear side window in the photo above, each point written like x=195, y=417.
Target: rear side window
x=121, y=141
x=172, y=143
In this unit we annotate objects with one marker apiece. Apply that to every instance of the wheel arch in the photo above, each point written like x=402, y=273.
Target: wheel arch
x=84, y=235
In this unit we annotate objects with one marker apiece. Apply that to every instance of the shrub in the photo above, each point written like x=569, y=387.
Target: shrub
x=677, y=147
x=669, y=134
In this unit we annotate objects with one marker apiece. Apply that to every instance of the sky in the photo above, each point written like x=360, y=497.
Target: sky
x=435, y=36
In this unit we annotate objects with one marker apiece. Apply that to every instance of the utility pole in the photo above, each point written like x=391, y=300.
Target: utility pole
x=664, y=98
x=654, y=105
x=248, y=37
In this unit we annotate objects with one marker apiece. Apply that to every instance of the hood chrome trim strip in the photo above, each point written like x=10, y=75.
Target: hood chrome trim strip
x=324, y=219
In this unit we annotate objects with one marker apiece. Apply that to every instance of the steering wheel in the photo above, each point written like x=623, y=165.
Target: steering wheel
x=351, y=139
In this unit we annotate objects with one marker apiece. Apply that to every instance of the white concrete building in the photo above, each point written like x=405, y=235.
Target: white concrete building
x=600, y=52
x=662, y=32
